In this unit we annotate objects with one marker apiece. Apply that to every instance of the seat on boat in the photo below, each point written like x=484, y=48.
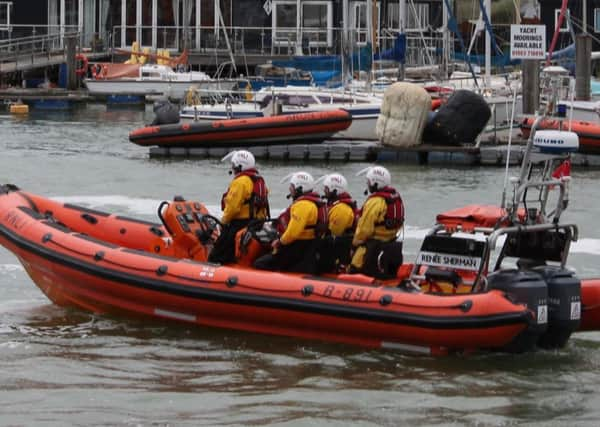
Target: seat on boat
x=253, y=241
x=434, y=274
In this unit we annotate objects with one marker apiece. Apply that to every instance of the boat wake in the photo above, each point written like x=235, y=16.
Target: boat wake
x=147, y=207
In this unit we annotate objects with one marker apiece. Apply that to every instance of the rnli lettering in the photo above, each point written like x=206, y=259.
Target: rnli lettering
x=446, y=260
x=15, y=220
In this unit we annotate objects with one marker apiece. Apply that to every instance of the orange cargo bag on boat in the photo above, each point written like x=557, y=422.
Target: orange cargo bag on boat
x=247, y=247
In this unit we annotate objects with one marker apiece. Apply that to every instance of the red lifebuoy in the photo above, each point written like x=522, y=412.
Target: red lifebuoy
x=82, y=70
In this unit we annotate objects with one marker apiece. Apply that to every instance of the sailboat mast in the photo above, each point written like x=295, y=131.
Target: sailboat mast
x=445, y=41
x=345, y=38
x=488, y=44
x=298, y=31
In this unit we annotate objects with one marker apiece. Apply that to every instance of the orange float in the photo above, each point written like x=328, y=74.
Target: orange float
x=311, y=127
x=588, y=132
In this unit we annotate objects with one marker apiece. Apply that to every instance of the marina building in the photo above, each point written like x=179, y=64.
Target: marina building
x=252, y=27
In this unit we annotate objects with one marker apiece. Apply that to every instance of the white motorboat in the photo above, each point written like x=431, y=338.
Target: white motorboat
x=156, y=79
x=364, y=108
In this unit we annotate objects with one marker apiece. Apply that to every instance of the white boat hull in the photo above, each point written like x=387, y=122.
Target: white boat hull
x=171, y=89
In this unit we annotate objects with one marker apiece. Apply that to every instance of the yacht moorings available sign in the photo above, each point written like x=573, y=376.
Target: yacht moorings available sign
x=527, y=42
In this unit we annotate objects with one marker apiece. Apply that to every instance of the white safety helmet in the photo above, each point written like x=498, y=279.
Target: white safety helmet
x=303, y=182
x=377, y=177
x=241, y=160
x=335, y=183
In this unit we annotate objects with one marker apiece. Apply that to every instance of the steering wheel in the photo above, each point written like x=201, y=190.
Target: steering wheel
x=210, y=229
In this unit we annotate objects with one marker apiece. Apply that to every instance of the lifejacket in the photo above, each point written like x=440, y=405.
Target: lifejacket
x=348, y=200
x=258, y=198
x=322, y=215
x=394, y=216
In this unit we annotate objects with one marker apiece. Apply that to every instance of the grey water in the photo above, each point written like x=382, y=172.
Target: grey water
x=61, y=367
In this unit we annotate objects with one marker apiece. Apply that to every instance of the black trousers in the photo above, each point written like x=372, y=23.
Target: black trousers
x=382, y=259
x=334, y=253
x=223, y=251
x=300, y=256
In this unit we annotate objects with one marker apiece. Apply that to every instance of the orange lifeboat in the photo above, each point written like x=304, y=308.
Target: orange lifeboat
x=589, y=133
x=106, y=263
x=313, y=127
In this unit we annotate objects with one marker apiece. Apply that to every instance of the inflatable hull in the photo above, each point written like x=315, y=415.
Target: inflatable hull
x=110, y=264
x=589, y=133
x=289, y=128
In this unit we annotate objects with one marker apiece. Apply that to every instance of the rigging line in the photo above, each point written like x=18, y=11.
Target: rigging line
x=453, y=26
x=559, y=23
x=488, y=27
x=579, y=24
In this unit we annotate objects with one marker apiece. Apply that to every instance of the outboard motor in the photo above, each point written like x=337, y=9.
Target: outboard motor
x=529, y=288
x=564, y=305
x=165, y=113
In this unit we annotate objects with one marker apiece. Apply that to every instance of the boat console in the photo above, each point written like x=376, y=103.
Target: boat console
x=192, y=229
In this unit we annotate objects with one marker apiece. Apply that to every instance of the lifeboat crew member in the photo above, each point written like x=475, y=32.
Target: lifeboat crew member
x=246, y=199
x=377, y=253
x=300, y=228
x=341, y=222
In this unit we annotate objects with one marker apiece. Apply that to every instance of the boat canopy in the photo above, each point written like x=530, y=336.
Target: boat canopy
x=471, y=216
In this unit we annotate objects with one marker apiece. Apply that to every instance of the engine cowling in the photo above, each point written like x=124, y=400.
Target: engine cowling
x=529, y=288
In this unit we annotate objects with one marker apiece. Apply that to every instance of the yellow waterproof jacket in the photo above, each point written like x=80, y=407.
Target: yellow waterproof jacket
x=370, y=226
x=303, y=219
x=341, y=218
x=371, y=223
x=235, y=203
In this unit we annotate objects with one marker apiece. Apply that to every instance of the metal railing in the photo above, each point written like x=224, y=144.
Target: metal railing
x=34, y=50
x=86, y=39
x=422, y=49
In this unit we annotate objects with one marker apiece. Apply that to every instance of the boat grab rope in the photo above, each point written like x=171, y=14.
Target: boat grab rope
x=48, y=239
x=348, y=295
x=97, y=255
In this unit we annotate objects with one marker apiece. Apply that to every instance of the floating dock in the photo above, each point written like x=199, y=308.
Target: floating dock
x=342, y=152
x=485, y=155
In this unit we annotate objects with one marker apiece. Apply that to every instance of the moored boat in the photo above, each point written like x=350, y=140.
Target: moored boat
x=290, y=128
x=152, y=79
x=588, y=132
x=363, y=107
